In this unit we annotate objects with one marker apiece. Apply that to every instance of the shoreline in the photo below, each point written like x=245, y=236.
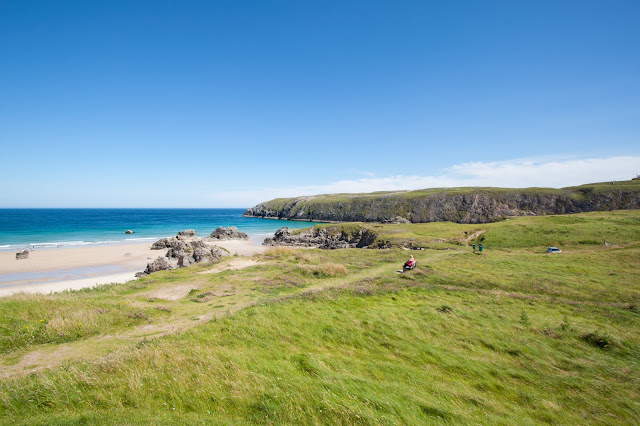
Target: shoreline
x=294, y=219
x=59, y=269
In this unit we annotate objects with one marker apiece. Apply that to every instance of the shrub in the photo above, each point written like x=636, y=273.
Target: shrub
x=599, y=340
x=323, y=270
x=306, y=257
x=565, y=325
x=445, y=309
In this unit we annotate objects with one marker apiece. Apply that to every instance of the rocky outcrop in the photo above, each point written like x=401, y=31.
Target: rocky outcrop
x=229, y=233
x=128, y=231
x=164, y=243
x=325, y=238
x=396, y=220
x=182, y=250
x=187, y=253
x=24, y=254
x=187, y=233
x=461, y=205
x=160, y=264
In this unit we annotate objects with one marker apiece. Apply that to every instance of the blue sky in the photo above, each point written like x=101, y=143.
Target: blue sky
x=226, y=104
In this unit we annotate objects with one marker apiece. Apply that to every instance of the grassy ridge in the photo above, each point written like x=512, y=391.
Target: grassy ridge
x=307, y=336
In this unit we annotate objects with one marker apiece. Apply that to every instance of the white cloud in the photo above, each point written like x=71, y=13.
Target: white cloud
x=520, y=173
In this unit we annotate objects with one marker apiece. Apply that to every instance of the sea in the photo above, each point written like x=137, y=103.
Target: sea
x=63, y=228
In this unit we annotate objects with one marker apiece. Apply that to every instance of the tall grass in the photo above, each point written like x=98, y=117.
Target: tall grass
x=345, y=357
x=323, y=270
x=512, y=336
x=27, y=320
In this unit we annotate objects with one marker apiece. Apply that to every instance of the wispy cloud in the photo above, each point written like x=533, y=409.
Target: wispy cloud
x=521, y=173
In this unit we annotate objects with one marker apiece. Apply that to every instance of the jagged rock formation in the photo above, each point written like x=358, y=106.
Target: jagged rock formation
x=191, y=252
x=164, y=243
x=160, y=264
x=183, y=250
x=230, y=233
x=325, y=238
x=461, y=205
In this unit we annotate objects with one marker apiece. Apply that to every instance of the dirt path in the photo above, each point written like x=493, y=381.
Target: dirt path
x=473, y=236
x=232, y=265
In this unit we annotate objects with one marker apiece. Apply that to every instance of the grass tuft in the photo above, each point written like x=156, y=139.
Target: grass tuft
x=598, y=339
x=323, y=270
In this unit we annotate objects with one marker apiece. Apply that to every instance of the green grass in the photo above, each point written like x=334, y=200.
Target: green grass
x=512, y=336
x=27, y=320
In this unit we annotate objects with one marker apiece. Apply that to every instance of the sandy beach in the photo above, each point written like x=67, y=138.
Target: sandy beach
x=54, y=270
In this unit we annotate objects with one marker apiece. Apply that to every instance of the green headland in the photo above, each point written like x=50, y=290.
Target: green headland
x=460, y=205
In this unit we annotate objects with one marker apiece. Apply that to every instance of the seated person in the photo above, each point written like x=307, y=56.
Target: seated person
x=409, y=264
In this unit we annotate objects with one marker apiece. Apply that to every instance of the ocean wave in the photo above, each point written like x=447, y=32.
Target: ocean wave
x=61, y=243
x=69, y=244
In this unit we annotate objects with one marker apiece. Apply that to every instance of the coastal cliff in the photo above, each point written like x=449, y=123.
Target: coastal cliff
x=461, y=205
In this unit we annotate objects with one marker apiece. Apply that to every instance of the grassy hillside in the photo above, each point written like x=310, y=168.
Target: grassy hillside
x=514, y=335
x=460, y=205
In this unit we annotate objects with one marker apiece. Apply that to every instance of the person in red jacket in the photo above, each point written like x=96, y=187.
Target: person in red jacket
x=409, y=264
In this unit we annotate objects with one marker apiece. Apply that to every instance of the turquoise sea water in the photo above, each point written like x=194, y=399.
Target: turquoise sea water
x=52, y=228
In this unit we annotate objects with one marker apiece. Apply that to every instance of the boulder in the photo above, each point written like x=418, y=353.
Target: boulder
x=184, y=261
x=128, y=231
x=229, y=233
x=396, y=220
x=187, y=233
x=177, y=248
x=24, y=254
x=161, y=244
x=160, y=264
x=193, y=252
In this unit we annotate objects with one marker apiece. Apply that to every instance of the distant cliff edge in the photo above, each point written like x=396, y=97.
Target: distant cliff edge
x=461, y=205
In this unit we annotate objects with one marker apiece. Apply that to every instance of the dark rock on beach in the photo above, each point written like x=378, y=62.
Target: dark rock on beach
x=230, y=233
x=24, y=254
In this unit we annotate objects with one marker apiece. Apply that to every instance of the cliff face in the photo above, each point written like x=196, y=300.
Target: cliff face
x=461, y=205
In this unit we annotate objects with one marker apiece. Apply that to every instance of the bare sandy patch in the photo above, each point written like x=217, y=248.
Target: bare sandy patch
x=172, y=292
x=232, y=265
x=240, y=247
